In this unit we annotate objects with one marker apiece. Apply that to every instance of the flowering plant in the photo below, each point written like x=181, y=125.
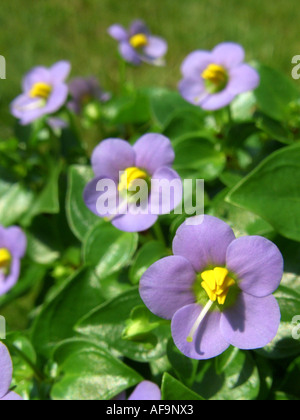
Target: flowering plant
x=149, y=236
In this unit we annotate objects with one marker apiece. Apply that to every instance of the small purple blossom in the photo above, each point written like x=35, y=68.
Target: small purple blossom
x=213, y=79
x=216, y=289
x=145, y=391
x=12, y=248
x=137, y=45
x=6, y=370
x=146, y=165
x=84, y=90
x=44, y=92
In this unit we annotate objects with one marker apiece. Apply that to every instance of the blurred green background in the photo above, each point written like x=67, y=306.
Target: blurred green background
x=41, y=32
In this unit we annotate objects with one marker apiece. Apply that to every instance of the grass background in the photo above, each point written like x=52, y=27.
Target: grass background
x=41, y=32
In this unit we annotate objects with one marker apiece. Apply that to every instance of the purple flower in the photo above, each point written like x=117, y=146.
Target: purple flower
x=6, y=370
x=145, y=391
x=83, y=90
x=44, y=92
x=120, y=169
x=216, y=289
x=213, y=79
x=137, y=45
x=12, y=248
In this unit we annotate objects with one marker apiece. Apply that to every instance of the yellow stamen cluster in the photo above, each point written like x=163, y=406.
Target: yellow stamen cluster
x=216, y=74
x=40, y=90
x=5, y=259
x=217, y=283
x=138, y=41
x=129, y=176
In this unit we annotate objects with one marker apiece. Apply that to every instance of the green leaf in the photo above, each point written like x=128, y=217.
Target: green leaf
x=15, y=200
x=275, y=93
x=231, y=376
x=166, y=103
x=107, y=323
x=47, y=200
x=149, y=253
x=184, y=367
x=288, y=298
x=90, y=373
x=81, y=220
x=109, y=249
x=132, y=108
x=272, y=191
x=173, y=390
x=199, y=157
x=75, y=298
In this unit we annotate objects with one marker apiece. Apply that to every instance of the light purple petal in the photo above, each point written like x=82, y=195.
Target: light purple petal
x=156, y=48
x=146, y=390
x=36, y=75
x=5, y=370
x=93, y=192
x=167, y=286
x=134, y=222
x=59, y=72
x=153, y=151
x=27, y=109
x=228, y=54
x=193, y=91
x=118, y=32
x=138, y=26
x=208, y=340
x=258, y=264
x=11, y=396
x=112, y=156
x=195, y=63
x=218, y=100
x=129, y=53
x=14, y=239
x=166, y=191
x=57, y=98
x=6, y=283
x=204, y=244
x=251, y=322
x=243, y=79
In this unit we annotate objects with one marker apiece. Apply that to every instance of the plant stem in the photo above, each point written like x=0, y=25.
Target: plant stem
x=159, y=233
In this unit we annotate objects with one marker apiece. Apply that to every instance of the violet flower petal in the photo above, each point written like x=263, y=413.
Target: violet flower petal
x=112, y=156
x=251, y=322
x=146, y=390
x=193, y=90
x=153, y=151
x=257, y=263
x=195, y=63
x=160, y=201
x=228, y=54
x=156, y=48
x=134, y=222
x=204, y=244
x=11, y=396
x=6, y=370
x=208, y=341
x=243, y=79
x=167, y=286
x=118, y=32
x=59, y=72
x=129, y=53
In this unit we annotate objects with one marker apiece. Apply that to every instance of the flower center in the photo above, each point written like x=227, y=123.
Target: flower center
x=129, y=176
x=216, y=78
x=138, y=41
x=40, y=90
x=5, y=260
x=217, y=283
